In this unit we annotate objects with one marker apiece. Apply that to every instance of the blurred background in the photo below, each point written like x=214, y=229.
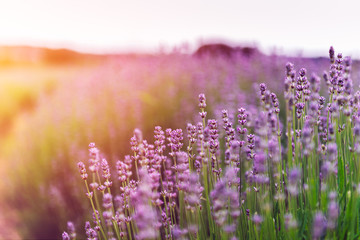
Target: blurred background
x=75, y=72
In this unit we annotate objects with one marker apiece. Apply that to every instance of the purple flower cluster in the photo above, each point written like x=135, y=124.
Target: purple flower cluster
x=174, y=138
x=202, y=105
x=225, y=198
x=145, y=216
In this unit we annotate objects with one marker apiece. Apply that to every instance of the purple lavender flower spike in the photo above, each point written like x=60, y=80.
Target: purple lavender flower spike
x=319, y=225
x=257, y=219
x=138, y=135
x=71, y=230
x=65, y=236
x=289, y=68
x=82, y=170
x=202, y=100
x=225, y=199
x=302, y=72
x=294, y=178
x=332, y=55
x=145, y=216
x=259, y=163
x=332, y=152
x=91, y=234
x=333, y=213
x=290, y=221
x=202, y=105
x=194, y=193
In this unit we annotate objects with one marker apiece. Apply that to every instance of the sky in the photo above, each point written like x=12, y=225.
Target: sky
x=307, y=27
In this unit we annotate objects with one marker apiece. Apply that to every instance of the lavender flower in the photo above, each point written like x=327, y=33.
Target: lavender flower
x=319, y=225
x=91, y=234
x=290, y=221
x=123, y=170
x=94, y=158
x=174, y=138
x=225, y=199
x=202, y=105
x=333, y=211
x=332, y=55
x=257, y=219
x=138, y=135
x=332, y=151
x=259, y=163
x=294, y=177
x=242, y=120
x=106, y=172
x=82, y=170
x=307, y=137
x=65, y=236
x=71, y=230
x=159, y=143
x=145, y=216
x=193, y=192
x=192, y=133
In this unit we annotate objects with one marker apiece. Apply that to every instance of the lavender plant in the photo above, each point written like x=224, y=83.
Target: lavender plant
x=252, y=177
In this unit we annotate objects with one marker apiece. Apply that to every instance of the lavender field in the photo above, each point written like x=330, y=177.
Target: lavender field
x=189, y=146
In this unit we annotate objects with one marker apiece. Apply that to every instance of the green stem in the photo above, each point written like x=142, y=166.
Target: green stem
x=94, y=210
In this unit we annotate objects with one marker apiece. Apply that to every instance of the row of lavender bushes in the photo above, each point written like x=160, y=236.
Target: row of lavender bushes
x=105, y=104
x=247, y=175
